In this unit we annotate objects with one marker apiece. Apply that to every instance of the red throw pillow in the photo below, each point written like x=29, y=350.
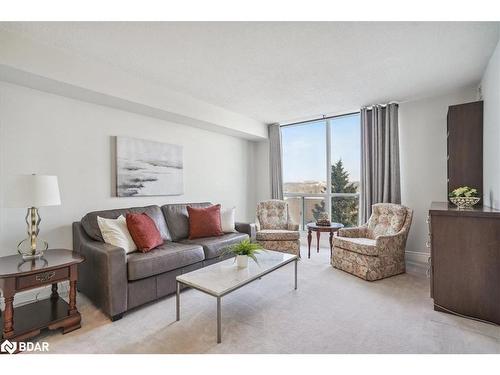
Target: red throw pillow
x=204, y=222
x=144, y=232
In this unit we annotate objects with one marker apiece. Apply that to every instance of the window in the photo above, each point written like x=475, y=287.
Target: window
x=304, y=166
x=321, y=169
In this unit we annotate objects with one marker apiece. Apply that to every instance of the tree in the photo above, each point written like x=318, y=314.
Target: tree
x=344, y=209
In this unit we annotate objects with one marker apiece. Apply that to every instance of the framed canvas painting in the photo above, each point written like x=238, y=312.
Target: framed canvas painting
x=148, y=168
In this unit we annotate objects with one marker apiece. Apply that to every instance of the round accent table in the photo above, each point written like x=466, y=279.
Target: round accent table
x=313, y=227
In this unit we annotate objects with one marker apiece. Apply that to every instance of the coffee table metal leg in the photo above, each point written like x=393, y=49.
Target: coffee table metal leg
x=296, y=263
x=219, y=334
x=178, y=302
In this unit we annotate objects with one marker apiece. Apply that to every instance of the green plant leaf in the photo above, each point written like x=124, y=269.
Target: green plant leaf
x=245, y=247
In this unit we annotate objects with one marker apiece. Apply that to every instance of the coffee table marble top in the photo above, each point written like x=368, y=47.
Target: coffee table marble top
x=224, y=277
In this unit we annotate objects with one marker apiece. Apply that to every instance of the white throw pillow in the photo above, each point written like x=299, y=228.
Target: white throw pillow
x=115, y=232
x=227, y=219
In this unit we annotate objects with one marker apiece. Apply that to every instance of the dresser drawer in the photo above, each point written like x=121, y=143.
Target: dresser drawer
x=42, y=278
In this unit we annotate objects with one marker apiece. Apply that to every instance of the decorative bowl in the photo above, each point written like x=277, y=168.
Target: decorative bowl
x=323, y=219
x=464, y=203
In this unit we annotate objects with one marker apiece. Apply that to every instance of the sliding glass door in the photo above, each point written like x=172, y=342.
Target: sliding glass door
x=321, y=169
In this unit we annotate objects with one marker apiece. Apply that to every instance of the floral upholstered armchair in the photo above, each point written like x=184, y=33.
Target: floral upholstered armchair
x=275, y=229
x=377, y=249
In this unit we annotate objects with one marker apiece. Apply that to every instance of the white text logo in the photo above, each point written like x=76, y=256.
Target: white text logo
x=11, y=347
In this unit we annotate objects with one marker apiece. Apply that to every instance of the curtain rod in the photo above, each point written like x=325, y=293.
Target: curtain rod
x=318, y=119
x=324, y=117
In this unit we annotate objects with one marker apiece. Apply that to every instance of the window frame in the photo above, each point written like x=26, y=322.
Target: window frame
x=328, y=195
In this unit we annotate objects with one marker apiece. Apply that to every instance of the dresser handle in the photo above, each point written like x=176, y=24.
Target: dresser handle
x=46, y=276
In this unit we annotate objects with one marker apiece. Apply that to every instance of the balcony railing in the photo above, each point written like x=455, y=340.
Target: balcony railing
x=304, y=207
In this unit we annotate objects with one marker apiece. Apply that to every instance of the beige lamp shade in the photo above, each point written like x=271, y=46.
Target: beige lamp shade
x=33, y=191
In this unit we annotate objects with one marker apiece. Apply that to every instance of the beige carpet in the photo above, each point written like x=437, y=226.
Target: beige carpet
x=331, y=312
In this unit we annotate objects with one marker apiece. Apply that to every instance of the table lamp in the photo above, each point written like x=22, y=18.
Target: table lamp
x=33, y=191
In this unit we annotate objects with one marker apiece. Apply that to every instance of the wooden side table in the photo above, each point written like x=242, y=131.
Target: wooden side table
x=28, y=320
x=313, y=227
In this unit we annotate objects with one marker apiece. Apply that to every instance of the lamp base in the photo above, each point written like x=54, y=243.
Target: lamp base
x=32, y=247
x=27, y=252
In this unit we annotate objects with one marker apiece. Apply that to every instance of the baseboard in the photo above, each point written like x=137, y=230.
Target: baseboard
x=417, y=262
x=417, y=257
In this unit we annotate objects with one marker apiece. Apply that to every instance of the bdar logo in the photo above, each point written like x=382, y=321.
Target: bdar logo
x=21, y=346
x=8, y=347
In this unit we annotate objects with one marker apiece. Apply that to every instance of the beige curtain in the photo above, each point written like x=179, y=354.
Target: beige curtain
x=275, y=161
x=380, y=175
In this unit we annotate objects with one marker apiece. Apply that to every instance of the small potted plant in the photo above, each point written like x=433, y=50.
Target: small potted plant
x=243, y=251
x=464, y=197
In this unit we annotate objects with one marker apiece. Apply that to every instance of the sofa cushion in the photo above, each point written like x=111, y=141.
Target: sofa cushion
x=164, y=258
x=204, y=222
x=227, y=220
x=364, y=246
x=115, y=232
x=386, y=219
x=277, y=235
x=213, y=246
x=177, y=218
x=89, y=221
x=144, y=232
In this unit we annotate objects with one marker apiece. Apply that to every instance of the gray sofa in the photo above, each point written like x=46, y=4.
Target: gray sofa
x=117, y=282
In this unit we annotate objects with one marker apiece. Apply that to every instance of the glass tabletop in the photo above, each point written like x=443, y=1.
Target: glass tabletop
x=331, y=226
x=223, y=277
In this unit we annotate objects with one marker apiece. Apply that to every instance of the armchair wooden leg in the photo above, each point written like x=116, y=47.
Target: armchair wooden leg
x=331, y=245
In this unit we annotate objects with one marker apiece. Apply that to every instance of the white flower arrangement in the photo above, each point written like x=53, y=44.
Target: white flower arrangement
x=464, y=197
x=464, y=191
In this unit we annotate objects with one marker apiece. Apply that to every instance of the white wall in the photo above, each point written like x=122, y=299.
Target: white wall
x=422, y=143
x=490, y=87
x=50, y=134
x=27, y=63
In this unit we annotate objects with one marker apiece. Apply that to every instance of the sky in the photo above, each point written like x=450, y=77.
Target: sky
x=304, y=148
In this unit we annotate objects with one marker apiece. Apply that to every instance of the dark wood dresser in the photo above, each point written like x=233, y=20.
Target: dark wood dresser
x=465, y=261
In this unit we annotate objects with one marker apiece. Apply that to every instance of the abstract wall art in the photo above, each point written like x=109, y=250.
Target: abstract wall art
x=148, y=168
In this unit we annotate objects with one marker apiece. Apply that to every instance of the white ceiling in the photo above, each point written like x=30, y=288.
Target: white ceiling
x=283, y=71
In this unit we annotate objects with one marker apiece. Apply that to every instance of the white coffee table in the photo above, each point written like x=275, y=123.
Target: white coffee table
x=225, y=277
